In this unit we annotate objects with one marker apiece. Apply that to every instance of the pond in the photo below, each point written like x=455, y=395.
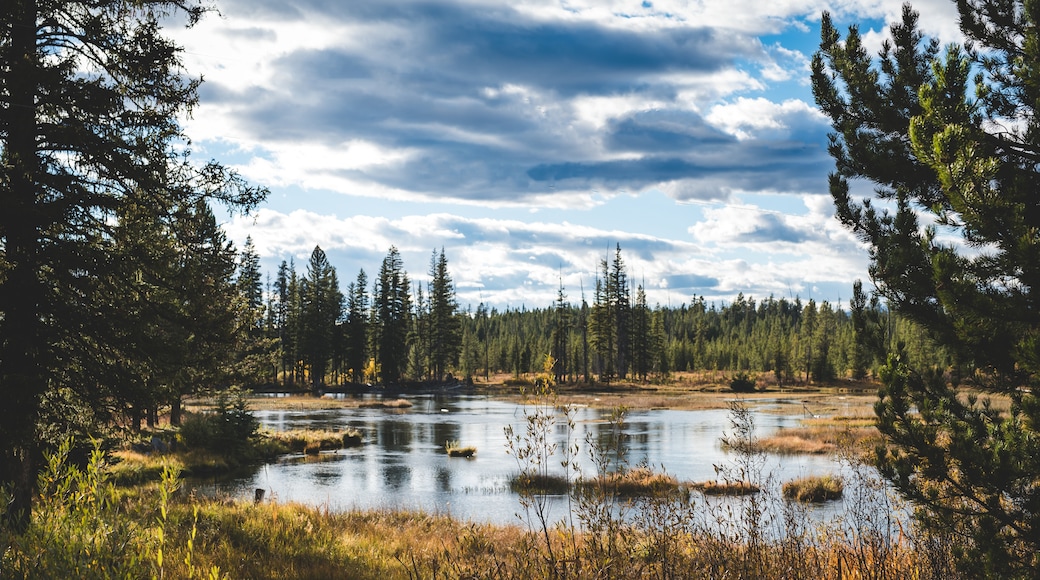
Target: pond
x=402, y=463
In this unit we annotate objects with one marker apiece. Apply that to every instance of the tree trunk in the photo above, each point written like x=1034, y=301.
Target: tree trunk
x=175, y=411
x=22, y=380
x=135, y=418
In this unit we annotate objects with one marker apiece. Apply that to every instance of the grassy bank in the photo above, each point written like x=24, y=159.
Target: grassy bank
x=148, y=531
x=131, y=467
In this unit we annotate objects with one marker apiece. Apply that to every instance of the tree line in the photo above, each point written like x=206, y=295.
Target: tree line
x=306, y=330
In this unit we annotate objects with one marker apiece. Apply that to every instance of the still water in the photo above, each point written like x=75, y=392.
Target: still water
x=402, y=463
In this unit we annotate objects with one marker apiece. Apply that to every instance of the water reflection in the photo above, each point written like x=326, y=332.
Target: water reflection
x=402, y=463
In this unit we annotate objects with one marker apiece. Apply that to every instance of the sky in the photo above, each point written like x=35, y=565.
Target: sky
x=528, y=139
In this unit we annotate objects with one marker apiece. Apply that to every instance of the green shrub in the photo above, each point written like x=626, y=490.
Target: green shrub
x=227, y=430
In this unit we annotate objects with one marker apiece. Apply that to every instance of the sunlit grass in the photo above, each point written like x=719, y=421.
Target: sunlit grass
x=395, y=404
x=822, y=436
x=149, y=531
x=302, y=440
x=132, y=467
x=456, y=449
x=637, y=482
x=814, y=488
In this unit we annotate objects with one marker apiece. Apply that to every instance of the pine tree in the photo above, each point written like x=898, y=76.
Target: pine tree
x=291, y=348
x=419, y=340
x=250, y=285
x=445, y=327
x=208, y=311
x=322, y=308
x=281, y=290
x=807, y=338
x=257, y=349
x=91, y=97
x=356, y=342
x=622, y=307
x=560, y=333
x=392, y=317
x=642, y=337
x=951, y=139
x=602, y=326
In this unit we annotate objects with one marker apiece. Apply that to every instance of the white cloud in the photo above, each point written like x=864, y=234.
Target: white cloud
x=755, y=118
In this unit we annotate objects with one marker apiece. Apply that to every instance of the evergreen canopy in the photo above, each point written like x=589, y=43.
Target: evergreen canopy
x=949, y=141
x=91, y=94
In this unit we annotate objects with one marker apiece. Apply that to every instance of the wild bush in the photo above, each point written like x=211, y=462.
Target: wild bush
x=227, y=430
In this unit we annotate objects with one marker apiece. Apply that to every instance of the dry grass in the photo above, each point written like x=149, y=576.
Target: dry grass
x=455, y=449
x=272, y=540
x=312, y=441
x=395, y=404
x=786, y=443
x=820, y=436
x=462, y=452
x=726, y=487
x=289, y=403
x=638, y=482
x=814, y=489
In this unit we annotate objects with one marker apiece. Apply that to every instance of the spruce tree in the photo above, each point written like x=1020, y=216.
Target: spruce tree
x=602, y=326
x=445, y=328
x=622, y=310
x=560, y=333
x=949, y=144
x=356, y=342
x=322, y=308
x=392, y=317
x=250, y=286
x=642, y=337
x=91, y=96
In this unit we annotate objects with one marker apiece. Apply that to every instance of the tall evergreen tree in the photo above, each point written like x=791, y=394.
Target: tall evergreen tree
x=445, y=326
x=209, y=308
x=281, y=290
x=357, y=327
x=91, y=96
x=622, y=310
x=869, y=331
x=807, y=338
x=291, y=346
x=560, y=333
x=250, y=284
x=602, y=326
x=419, y=340
x=642, y=336
x=392, y=317
x=322, y=308
x=257, y=350
x=952, y=138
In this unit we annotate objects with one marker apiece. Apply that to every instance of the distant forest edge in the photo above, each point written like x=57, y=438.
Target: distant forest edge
x=304, y=330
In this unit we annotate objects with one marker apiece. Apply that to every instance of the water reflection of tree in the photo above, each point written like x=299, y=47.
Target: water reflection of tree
x=392, y=435
x=396, y=476
x=443, y=479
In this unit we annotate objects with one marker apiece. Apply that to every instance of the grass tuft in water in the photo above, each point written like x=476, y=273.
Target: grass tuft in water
x=814, y=489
